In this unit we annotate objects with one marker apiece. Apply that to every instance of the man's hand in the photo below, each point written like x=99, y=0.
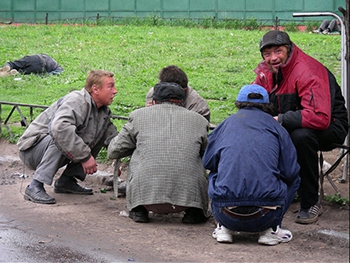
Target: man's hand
x=90, y=166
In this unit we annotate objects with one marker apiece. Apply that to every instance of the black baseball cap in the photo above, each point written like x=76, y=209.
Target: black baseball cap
x=274, y=38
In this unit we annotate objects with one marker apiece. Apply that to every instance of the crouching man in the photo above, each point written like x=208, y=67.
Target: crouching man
x=254, y=173
x=166, y=142
x=70, y=132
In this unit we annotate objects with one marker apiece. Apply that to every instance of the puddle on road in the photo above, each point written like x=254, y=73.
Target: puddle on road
x=18, y=246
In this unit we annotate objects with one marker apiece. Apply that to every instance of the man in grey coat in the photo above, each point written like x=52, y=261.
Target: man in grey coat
x=70, y=132
x=193, y=101
x=166, y=142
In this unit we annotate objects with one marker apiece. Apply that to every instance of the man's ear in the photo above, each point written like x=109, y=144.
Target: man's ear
x=94, y=89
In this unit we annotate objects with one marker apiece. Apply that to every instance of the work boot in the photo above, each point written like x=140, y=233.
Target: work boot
x=37, y=194
x=139, y=214
x=194, y=215
x=69, y=185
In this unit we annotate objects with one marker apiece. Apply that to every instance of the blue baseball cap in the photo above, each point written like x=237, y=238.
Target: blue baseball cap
x=244, y=94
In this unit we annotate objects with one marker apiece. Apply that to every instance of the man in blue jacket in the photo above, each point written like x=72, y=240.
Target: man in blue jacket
x=254, y=173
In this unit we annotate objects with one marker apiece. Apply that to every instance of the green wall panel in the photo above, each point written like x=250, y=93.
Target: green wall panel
x=230, y=14
x=91, y=14
x=24, y=5
x=259, y=15
x=72, y=15
x=5, y=16
x=202, y=5
x=319, y=6
x=75, y=5
x=265, y=10
x=266, y=5
x=231, y=5
x=117, y=5
x=97, y=5
x=143, y=5
x=47, y=5
x=146, y=13
x=25, y=16
x=178, y=5
x=5, y=6
x=123, y=14
x=51, y=16
x=194, y=15
x=294, y=6
x=175, y=14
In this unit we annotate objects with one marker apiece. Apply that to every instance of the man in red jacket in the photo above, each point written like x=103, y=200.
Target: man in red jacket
x=309, y=104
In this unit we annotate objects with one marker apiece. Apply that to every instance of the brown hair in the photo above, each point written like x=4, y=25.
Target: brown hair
x=95, y=77
x=173, y=74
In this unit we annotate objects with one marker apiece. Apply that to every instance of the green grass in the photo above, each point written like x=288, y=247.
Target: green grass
x=218, y=61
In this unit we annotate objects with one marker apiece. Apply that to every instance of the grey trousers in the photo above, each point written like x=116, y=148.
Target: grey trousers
x=46, y=159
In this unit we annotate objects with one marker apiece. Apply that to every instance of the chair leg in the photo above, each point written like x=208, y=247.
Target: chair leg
x=321, y=176
x=326, y=174
x=345, y=171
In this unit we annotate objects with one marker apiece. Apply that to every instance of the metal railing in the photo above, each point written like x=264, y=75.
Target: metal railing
x=24, y=122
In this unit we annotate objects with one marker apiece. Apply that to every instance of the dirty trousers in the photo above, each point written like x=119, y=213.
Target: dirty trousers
x=46, y=159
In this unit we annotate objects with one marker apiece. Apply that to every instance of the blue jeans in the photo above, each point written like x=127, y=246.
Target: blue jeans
x=271, y=219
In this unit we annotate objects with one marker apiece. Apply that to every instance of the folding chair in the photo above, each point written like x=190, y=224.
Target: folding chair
x=344, y=151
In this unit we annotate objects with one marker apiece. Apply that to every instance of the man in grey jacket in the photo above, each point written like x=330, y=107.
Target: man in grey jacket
x=193, y=101
x=70, y=132
x=166, y=143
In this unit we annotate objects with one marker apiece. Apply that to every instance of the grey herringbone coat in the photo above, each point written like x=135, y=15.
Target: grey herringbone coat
x=166, y=143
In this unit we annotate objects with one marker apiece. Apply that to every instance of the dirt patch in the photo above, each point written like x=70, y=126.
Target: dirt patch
x=98, y=224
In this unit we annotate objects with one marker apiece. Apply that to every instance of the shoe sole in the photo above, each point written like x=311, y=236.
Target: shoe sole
x=306, y=221
x=66, y=191
x=28, y=198
x=140, y=220
x=272, y=242
x=226, y=239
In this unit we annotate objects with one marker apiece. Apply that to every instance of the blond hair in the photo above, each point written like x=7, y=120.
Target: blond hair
x=95, y=77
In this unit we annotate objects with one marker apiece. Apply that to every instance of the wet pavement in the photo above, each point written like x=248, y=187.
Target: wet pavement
x=20, y=245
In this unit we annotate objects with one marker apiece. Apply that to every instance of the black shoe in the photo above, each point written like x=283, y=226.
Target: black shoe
x=194, y=216
x=122, y=188
x=71, y=187
x=38, y=195
x=139, y=214
x=109, y=181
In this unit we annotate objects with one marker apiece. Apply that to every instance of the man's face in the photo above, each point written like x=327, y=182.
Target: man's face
x=275, y=56
x=105, y=94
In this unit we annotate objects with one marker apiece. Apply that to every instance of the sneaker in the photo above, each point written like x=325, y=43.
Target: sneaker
x=271, y=238
x=317, y=31
x=222, y=234
x=325, y=32
x=308, y=216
